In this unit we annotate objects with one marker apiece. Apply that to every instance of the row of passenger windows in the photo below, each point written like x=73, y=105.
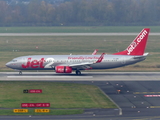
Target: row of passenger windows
x=74, y=60
x=81, y=60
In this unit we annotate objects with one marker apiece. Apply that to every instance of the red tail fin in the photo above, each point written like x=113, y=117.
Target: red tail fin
x=137, y=47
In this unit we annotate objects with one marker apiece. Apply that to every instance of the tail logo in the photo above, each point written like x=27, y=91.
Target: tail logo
x=134, y=44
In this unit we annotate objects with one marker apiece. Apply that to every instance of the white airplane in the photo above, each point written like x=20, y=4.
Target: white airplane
x=67, y=63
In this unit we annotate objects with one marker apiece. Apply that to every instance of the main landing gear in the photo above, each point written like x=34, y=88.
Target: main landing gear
x=20, y=72
x=78, y=72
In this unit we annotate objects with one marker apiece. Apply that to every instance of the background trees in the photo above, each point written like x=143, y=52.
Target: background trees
x=81, y=12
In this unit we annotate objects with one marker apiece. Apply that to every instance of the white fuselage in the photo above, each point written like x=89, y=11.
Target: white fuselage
x=48, y=62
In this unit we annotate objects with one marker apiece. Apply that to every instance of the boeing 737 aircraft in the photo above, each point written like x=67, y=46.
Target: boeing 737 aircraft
x=68, y=63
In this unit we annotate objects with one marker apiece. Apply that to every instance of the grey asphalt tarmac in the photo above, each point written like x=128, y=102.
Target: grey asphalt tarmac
x=138, y=95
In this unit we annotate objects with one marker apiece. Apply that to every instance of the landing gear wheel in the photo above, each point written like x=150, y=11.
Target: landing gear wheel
x=20, y=72
x=78, y=72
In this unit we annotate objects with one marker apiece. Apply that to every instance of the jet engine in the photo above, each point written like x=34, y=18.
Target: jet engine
x=63, y=69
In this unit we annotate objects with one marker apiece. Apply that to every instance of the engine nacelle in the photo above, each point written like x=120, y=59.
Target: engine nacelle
x=63, y=69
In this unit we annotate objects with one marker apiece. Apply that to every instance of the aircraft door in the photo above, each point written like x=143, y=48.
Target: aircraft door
x=23, y=61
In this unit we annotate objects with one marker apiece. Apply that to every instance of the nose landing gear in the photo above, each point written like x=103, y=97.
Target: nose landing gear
x=20, y=72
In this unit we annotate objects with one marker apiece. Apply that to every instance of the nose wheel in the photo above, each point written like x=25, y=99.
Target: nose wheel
x=20, y=72
x=78, y=72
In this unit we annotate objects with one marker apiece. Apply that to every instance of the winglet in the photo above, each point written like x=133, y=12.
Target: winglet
x=137, y=47
x=100, y=58
x=95, y=52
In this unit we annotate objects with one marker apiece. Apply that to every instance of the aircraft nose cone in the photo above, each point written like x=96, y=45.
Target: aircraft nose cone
x=8, y=64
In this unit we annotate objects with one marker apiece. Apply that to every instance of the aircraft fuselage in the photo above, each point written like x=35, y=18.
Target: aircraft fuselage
x=48, y=62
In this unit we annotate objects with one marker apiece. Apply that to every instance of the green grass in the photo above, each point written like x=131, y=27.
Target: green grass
x=59, y=95
x=52, y=112
x=79, y=29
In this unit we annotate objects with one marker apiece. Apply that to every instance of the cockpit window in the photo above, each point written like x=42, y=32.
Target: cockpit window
x=14, y=60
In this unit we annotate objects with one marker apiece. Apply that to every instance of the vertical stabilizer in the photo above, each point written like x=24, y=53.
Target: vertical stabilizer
x=137, y=47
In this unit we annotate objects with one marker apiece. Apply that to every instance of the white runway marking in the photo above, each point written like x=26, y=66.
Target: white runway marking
x=48, y=78
x=52, y=77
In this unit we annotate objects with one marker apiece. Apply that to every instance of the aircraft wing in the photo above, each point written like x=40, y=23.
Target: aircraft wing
x=81, y=64
x=85, y=65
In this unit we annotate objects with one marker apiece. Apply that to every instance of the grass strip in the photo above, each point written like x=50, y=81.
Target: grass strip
x=59, y=95
x=77, y=29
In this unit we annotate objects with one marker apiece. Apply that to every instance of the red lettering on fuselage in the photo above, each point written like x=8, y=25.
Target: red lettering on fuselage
x=34, y=63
